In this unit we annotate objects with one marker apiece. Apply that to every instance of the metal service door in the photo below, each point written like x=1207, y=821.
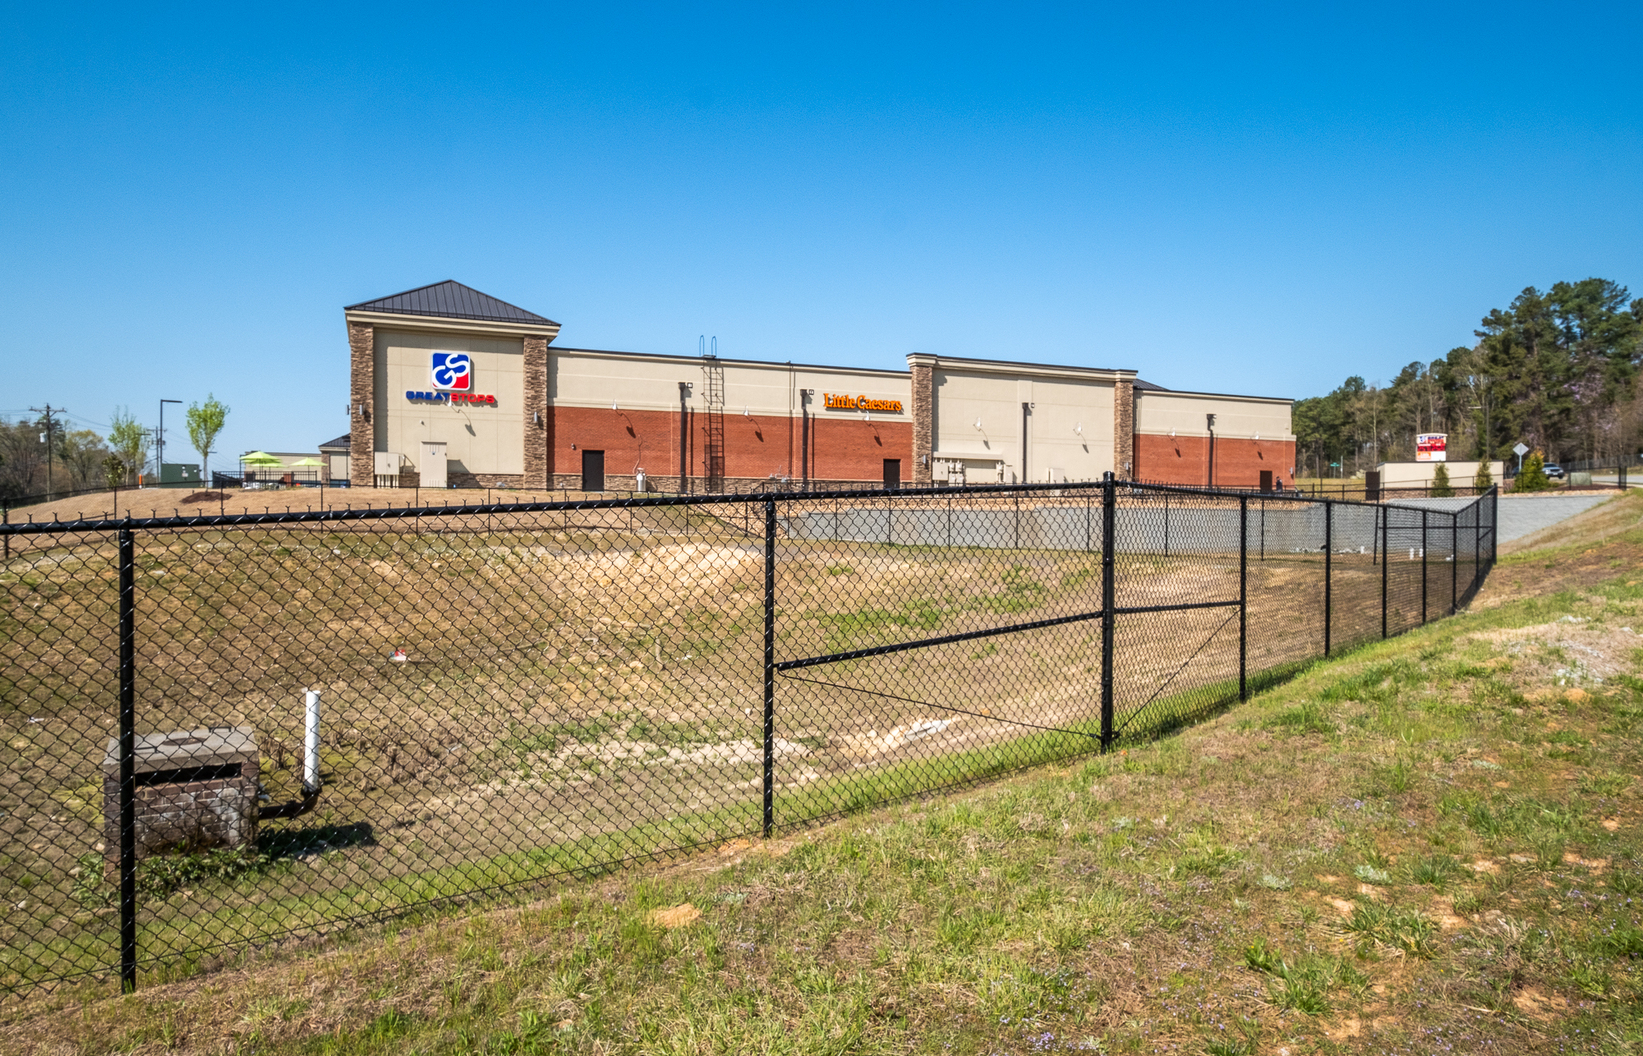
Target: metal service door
x=593, y=471
x=432, y=464
x=892, y=473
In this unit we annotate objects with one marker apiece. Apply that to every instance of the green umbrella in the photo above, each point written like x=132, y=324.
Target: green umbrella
x=308, y=462
x=260, y=458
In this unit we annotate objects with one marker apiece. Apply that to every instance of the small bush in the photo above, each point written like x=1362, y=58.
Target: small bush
x=1441, y=488
x=1532, y=477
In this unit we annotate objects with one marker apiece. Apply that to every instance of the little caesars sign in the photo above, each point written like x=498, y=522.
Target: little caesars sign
x=840, y=402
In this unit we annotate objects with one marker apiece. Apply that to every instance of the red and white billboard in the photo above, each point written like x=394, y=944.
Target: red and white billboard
x=1431, y=447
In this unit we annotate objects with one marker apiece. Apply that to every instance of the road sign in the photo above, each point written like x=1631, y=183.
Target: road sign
x=1520, y=449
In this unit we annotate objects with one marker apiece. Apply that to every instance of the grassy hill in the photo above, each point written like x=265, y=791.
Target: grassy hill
x=1430, y=844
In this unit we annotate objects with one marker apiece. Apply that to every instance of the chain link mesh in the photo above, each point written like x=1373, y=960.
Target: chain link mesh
x=509, y=693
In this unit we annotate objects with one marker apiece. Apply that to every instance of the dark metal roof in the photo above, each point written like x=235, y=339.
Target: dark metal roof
x=345, y=440
x=450, y=300
x=1147, y=386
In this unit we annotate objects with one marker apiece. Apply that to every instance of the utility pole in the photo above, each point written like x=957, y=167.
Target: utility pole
x=159, y=444
x=51, y=425
x=1481, y=384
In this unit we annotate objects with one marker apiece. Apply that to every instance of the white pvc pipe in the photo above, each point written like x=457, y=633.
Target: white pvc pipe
x=310, y=743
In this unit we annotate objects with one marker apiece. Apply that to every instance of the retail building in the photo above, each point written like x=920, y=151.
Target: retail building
x=453, y=387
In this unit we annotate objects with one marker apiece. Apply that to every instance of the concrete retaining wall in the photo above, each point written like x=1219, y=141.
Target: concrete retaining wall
x=1151, y=529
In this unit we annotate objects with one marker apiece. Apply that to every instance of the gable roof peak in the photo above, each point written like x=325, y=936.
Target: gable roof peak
x=451, y=300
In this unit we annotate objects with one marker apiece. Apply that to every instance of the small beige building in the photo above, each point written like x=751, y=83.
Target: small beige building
x=1421, y=474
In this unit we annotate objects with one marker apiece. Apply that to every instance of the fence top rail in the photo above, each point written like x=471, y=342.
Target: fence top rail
x=332, y=516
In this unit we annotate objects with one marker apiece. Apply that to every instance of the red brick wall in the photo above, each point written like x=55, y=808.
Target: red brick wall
x=1238, y=462
x=756, y=447
x=851, y=449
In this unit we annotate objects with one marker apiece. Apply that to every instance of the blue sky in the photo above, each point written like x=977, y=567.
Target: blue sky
x=1255, y=199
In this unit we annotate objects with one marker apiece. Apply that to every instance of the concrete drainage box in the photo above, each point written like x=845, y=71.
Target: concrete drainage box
x=195, y=789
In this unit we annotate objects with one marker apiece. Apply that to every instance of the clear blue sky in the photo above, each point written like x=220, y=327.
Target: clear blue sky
x=1231, y=198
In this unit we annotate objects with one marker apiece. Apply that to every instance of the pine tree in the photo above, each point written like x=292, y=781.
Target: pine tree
x=1441, y=488
x=1484, y=479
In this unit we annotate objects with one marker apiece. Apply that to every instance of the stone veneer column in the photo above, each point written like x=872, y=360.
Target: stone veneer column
x=924, y=406
x=362, y=441
x=1123, y=429
x=536, y=412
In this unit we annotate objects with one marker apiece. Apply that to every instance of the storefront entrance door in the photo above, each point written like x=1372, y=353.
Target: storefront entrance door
x=593, y=471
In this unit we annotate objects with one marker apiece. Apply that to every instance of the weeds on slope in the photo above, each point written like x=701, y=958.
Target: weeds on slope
x=1430, y=843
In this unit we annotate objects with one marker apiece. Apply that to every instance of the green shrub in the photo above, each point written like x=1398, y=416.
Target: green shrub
x=1441, y=488
x=1532, y=477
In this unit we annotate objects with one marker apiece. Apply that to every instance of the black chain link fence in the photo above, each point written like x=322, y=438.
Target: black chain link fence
x=219, y=731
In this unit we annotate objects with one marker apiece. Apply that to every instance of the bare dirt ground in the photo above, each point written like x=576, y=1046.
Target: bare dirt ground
x=176, y=502
x=513, y=695
x=1431, y=846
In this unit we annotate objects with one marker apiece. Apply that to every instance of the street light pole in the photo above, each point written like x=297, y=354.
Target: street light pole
x=159, y=444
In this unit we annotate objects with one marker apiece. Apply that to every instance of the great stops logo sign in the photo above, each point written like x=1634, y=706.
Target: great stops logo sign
x=452, y=374
x=452, y=371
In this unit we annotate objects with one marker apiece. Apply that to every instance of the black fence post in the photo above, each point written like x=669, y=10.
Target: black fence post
x=1329, y=559
x=1477, y=544
x=128, y=754
x=1243, y=597
x=769, y=665
x=1494, y=524
x=1423, y=566
x=1109, y=498
x=1454, y=563
x=1386, y=523
x=1166, y=524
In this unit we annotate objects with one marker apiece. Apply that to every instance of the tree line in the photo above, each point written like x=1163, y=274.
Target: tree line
x=40, y=458
x=1556, y=371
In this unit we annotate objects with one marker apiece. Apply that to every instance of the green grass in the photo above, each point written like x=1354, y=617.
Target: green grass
x=1375, y=852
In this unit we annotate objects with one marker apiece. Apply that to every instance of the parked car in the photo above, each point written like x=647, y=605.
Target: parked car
x=1553, y=470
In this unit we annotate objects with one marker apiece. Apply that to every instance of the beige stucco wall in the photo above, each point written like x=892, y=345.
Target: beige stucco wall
x=479, y=438
x=591, y=378
x=1420, y=474
x=1242, y=417
x=1069, y=427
